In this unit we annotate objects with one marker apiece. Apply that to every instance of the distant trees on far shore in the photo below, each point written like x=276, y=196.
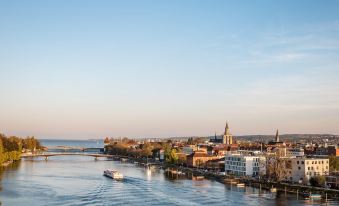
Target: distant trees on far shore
x=11, y=147
x=131, y=148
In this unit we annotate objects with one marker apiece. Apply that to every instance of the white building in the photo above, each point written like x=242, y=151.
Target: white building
x=304, y=168
x=244, y=165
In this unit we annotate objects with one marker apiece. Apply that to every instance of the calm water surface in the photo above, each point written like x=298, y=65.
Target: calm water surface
x=77, y=180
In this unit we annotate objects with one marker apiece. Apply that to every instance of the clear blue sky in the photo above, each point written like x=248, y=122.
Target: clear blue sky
x=84, y=69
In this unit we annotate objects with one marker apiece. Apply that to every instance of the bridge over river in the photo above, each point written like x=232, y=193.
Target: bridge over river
x=47, y=155
x=73, y=149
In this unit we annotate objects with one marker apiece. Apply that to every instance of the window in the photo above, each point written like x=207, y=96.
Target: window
x=312, y=162
x=302, y=162
x=297, y=162
x=308, y=168
x=315, y=162
x=299, y=168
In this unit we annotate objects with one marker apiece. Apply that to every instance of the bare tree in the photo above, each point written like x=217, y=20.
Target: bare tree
x=276, y=167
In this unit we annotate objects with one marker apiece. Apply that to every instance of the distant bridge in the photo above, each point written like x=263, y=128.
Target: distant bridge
x=81, y=149
x=46, y=156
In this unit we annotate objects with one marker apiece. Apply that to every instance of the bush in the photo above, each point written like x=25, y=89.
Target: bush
x=317, y=181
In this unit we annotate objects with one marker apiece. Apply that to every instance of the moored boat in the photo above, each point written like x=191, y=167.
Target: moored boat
x=113, y=174
x=273, y=189
x=240, y=185
x=312, y=196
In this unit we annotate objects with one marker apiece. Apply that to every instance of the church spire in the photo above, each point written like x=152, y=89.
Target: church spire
x=277, y=136
x=227, y=129
x=227, y=137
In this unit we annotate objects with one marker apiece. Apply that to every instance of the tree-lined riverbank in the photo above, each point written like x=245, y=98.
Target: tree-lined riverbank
x=12, y=147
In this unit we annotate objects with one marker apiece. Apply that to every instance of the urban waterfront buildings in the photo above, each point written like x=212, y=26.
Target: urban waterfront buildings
x=303, y=168
x=245, y=165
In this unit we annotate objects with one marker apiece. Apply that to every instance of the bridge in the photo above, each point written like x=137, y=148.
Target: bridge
x=46, y=156
x=74, y=149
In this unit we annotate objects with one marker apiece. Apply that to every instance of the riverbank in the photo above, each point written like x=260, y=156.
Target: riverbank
x=265, y=185
x=5, y=164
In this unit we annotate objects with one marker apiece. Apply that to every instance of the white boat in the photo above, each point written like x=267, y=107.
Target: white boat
x=273, y=189
x=113, y=174
x=240, y=185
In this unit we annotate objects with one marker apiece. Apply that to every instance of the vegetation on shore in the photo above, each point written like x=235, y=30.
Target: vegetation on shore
x=128, y=147
x=11, y=147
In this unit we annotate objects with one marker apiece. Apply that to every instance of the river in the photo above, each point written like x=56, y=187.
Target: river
x=78, y=180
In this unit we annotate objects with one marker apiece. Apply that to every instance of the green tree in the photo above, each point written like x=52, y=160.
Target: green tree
x=334, y=163
x=317, y=181
x=1, y=152
x=172, y=157
x=146, y=149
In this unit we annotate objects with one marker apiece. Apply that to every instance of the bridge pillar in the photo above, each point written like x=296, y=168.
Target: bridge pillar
x=46, y=158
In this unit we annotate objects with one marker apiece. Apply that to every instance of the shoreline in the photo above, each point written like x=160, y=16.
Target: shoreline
x=7, y=163
x=299, y=190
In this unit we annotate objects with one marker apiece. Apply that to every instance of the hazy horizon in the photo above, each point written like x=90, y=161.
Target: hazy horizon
x=91, y=69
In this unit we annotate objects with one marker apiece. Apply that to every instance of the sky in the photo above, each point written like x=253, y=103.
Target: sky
x=90, y=69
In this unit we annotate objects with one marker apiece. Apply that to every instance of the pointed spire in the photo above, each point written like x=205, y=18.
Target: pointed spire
x=227, y=129
x=215, y=135
x=277, y=136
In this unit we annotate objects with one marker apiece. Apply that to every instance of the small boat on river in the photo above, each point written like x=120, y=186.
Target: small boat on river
x=310, y=196
x=240, y=185
x=113, y=174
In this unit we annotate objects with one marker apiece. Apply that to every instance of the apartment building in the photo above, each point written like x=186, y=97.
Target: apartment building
x=303, y=168
x=244, y=165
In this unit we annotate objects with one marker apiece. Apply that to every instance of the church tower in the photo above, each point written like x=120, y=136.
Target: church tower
x=227, y=137
x=277, y=136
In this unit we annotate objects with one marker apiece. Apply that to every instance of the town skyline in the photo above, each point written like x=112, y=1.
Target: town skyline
x=158, y=69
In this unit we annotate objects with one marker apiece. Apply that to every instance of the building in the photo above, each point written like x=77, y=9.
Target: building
x=244, y=165
x=189, y=149
x=277, y=141
x=226, y=138
x=303, y=168
x=198, y=159
x=333, y=180
x=331, y=150
x=295, y=152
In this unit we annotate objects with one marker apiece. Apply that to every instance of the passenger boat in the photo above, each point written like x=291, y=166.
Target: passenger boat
x=273, y=189
x=113, y=174
x=240, y=185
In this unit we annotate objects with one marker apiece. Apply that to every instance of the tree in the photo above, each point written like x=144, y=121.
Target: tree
x=334, y=163
x=146, y=149
x=1, y=152
x=276, y=167
x=317, y=181
x=172, y=158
